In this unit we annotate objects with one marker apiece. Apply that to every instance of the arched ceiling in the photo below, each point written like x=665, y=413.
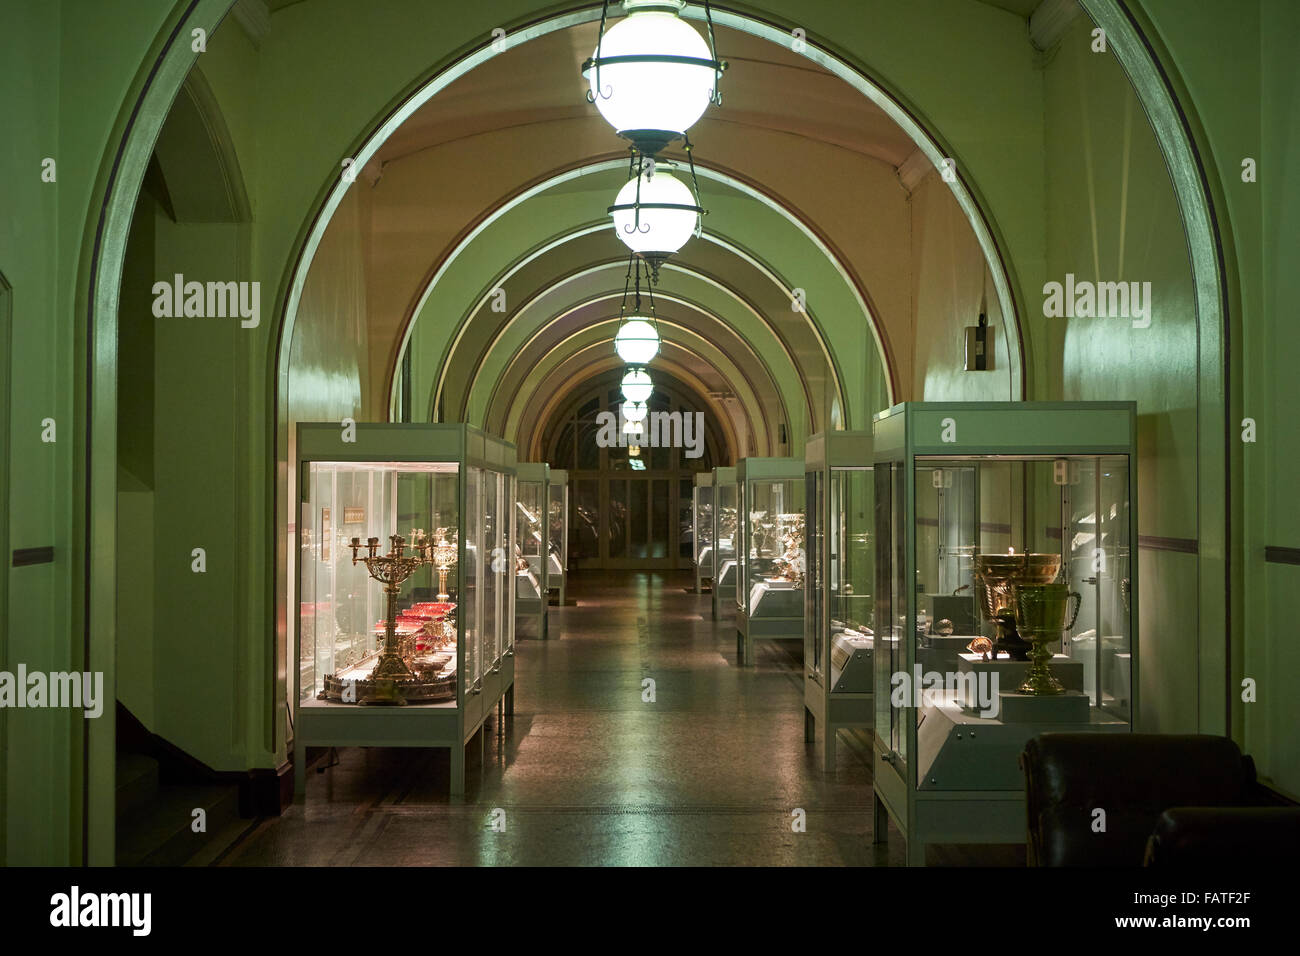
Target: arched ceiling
x=500, y=182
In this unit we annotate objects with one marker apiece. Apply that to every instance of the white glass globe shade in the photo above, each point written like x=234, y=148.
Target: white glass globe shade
x=654, y=95
x=655, y=230
x=637, y=342
x=637, y=386
x=634, y=412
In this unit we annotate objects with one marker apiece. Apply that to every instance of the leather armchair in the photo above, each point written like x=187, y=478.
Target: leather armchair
x=1225, y=837
x=1131, y=779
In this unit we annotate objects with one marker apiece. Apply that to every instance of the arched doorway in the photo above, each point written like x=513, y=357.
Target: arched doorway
x=630, y=506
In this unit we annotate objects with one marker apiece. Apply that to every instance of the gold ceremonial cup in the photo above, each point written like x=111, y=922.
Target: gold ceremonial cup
x=1040, y=615
x=996, y=575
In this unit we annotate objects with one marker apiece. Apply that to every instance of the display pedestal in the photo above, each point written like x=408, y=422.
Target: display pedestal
x=775, y=613
x=937, y=652
x=1011, y=674
x=851, y=665
x=724, y=588
x=970, y=788
x=526, y=587
x=1115, y=663
x=530, y=604
x=1071, y=707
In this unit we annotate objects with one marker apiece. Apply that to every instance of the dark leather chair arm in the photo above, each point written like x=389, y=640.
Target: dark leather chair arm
x=1225, y=837
x=1132, y=779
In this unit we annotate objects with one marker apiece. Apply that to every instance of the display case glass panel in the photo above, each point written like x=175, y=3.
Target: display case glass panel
x=1004, y=580
x=344, y=609
x=838, y=627
x=850, y=567
x=770, y=554
x=400, y=600
x=558, y=535
x=532, y=561
x=725, y=532
x=702, y=528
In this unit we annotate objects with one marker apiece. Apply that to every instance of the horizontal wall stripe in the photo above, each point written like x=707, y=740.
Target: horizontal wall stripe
x=26, y=556
x=1152, y=542
x=1278, y=555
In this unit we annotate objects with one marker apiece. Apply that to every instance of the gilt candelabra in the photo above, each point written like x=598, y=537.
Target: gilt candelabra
x=391, y=570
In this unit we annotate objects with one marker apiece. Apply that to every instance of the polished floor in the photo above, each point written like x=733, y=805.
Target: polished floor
x=587, y=773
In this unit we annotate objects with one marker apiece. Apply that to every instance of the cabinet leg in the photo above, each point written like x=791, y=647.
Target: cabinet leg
x=457, y=771
x=879, y=821
x=915, y=852
x=828, y=746
x=740, y=648
x=510, y=701
x=809, y=726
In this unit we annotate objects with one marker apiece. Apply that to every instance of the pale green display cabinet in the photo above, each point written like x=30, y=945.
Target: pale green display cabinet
x=725, y=532
x=558, y=538
x=702, y=529
x=1029, y=510
x=769, y=552
x=838, y=626
x=404, y=631
x=532, y=562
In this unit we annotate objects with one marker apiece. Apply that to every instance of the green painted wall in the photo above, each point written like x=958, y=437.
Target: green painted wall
x=65, y=71
x=1112, y=216
x=1272, y=349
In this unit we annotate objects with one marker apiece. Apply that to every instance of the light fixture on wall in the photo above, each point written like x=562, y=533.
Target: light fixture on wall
x=637, y=386
x=637, y=339
x=655, y=213
x=652, y=75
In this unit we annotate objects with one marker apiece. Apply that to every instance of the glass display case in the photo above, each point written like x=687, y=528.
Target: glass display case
x=558, y=537
x=769, y=552
x=702, y=529
x=404, y=633
x=838, y=621
x=725, y=531
x=532, y=553
x=1005, y=603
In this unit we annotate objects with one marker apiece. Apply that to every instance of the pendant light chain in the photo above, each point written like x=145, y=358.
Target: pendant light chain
x=656, y=227
x=695, y=187
x=716, y=96
x=651, y=279
x=600, y=39
x=627, y=287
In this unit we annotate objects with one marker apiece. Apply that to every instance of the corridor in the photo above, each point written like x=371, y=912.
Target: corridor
x=708, y=773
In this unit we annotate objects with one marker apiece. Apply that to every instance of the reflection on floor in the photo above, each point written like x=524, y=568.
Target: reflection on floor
x=587, y=773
